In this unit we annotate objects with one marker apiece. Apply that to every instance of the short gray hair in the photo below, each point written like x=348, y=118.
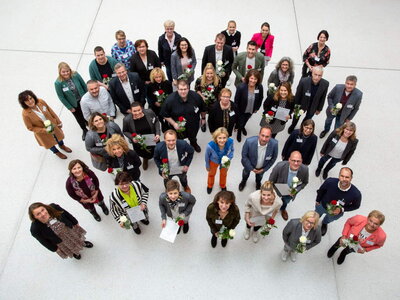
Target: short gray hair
x=169, y=23
x=119, y=65
x=352, y=78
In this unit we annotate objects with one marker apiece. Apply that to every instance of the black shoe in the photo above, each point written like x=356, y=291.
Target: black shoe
x=325, y=174
x=77, y=256
x=203, y=127
x=96, y=216
x=213, y=241
x=179, y=230
x=137, y=230
x=105, y=209
x=186, y=228
x=290, y=129
x=88, y=244
x=332, y=250
x=196, y=148
x=224, y=242
x=244, y=131
x=317, y=172
x=342, y=256
x=145, y=222
x=242, y=184
x=223, y=189
x=324, y=229
x=209, y=190
x=258, y=185
x=322, y=134
x=84, y=135
x=239, y=136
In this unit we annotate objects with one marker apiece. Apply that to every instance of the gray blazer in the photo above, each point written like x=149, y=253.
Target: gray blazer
x=274, y=78
x=292, y=232
x=240, y=69
x=350, y=109
x=280, y=173
x=97, y=153
x=188, y=201
x=128, y=126
x=176, y=66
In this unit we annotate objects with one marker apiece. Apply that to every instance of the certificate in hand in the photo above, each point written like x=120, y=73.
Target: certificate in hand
x=170, y=231
x=259, y=221
x=281, y=113
x=283, y=188
x=135, y=214
x=149, y=141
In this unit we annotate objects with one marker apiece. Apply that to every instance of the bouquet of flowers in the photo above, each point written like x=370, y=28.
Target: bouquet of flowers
x=180, y=221
x=103, y=138
x=352, y=242
x=114, y=171
x=106, y=79
x=181, y=124
x=265, y=229
x=164, y=166
x=271, y=88
x=208, y=93
x=335, y=110
x=124, y=220
x=49, y=126
x=294, y=184
x=225, y=233
x=269, y=116
x=225, y=162
x=140, y=140
x=161, y=96
x=301, y=246
x=221, y=68
x=330, y=207
x=187, y=73
x=297, y=111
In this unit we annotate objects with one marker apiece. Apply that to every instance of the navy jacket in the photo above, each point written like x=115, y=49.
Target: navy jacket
x=185, y=153
x=250, y=153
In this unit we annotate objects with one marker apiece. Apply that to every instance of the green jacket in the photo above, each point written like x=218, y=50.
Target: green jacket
x=230, y=221
x=65, y=95
x=94, y=71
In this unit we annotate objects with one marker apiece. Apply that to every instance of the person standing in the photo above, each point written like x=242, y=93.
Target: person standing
x=101, y=69
x=167, y=43
x=123, y=49
x=317, y=54
x=265, y=42
x=232, y=36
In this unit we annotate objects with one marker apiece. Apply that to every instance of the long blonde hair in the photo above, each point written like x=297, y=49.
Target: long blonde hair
x=209, y=66
x=64, y=65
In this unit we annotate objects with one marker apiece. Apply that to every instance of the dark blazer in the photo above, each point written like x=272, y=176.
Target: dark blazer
x=330, y=143
x=166, y=86
x=233, y=41
x=230, y=221
x=164, y=51
x=45, y=235
x=271, y=105
x=132, y=163
x=292, y=233
x=185, y=153
x=280, y=174
x=250, y=153
x=302, y=95
x=242, y=94
x=216, y=115
x=297, y=142
x=118, y=93
x=129, y=125
x=209, y=57
x=188, y=201
x=352, y=105
x=138, y=66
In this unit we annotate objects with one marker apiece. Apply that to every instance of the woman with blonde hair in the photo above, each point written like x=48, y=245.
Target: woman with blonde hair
x=219, y=153
x=223, y=113
x=121, y=158
x=300, y=235
x=261, y=203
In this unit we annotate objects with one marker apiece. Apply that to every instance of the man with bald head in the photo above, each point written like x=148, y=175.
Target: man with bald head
x=285, y=172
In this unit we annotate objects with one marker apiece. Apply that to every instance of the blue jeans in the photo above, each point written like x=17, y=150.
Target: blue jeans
x=60, y=143
x=285, y=200
x=333, y=161
x=246, y=174
x=329, y=120
x=328, y=218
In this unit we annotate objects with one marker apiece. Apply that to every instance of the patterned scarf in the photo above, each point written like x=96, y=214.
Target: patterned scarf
x=78, y=189
x=283, y=77
x=171, y=203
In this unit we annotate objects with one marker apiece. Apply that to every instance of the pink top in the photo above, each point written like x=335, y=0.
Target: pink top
x=355, y=224
x=269, y=43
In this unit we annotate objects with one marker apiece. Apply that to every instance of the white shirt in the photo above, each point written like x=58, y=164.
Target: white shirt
x=102, y=104
x=251, y=62
x=261, y=155
x=338, y=150
x=218, y=55
x=127, y=88
x=171, y=43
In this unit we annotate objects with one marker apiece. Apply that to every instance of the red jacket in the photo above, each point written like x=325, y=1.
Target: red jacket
x=269, y=43
x=355, y=224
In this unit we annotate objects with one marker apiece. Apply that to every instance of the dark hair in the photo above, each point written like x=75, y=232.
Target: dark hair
x=220, y=36
x=138, y=42
x=287, y=85
x=189, y=50
x=91, y=81
x=348, y=169
x=122, y=177
x=98, y=49
x=325, y=33
x=306, y=123
x=23, y=96
x=136, y=104
x=52, y=211
x=74, y=162
x=265, y=127
x=227, y=196
x=265, y=24
x=172, y=185
x=183, y=81
x=254, y=73
x=251, y=43
x=352, y=78
x=94, y=115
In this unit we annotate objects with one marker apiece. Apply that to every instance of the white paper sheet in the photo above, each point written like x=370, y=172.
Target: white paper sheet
x=259, y=221
x=281, y=113
x=149, y=141
x=135, y=214
x=283, y=188
x=170, y=231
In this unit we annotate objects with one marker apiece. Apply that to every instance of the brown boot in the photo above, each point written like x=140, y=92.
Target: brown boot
x=66, y=149
x=284, y=214
x=187, y=189
x=145, y=163
x=61, y=155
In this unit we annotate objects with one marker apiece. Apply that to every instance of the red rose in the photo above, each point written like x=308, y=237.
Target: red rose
x=109, y=170
x=164, y=160
x=134, y=134
x=103, y=136
x=355, y=238
x=105, y=76
x=209, y=88
x=181, y=119
x=160, y=92
x=104, y=114
x=271, y=221
x=334, y=202
x=249, y=67
x=270, y=113
x=189, y=66
x=181, y=222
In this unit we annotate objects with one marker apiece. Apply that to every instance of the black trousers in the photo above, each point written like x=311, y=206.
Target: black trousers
x=79, y=117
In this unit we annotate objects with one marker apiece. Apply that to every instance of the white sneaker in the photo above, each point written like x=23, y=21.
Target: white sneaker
x=256, y=237
x=284, y=255
x=246, y=233
x=293, y=256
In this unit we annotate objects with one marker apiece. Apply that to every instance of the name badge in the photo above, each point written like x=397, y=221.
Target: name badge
x=273, y=108
x=189, y=60
x=299, y=140
x=308, y=242
x=256, y=91
x=65, y=89
x=173, y=48
x=371, y=243
x=150, y=67
x=350, y=106
x=136, y=91
x=219, y=222
x=316, y=58
x=99, y=144
x=153, y=120
x=114, y=75
x=341, y=202
x=268, y=158
x=181, y=205
x=262, y=51
x=232, y=113
x=196, y=109
x=44, y=108
x=334, y=140
x=52, y=221
x=129, y=167
x=234, y=43
x=308, y=94
x=125, y=55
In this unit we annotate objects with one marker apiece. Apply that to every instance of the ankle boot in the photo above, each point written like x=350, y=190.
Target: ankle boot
x=95, y=215
x=105, y=209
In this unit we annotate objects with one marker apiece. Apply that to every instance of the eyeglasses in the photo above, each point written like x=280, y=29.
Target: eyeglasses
x=309, y=223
